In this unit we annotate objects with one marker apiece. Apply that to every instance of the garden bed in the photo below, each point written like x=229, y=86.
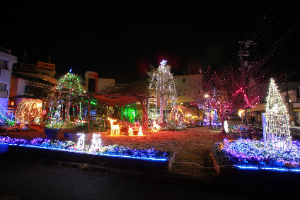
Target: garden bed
x=110, y=161
x=111, y=156
x=227, y=166
x=191, y=146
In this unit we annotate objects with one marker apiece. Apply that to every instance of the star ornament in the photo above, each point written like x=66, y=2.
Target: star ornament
x=163, y=63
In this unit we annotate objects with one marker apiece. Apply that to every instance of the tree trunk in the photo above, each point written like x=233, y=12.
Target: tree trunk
x=222, y=122
x=145, y=111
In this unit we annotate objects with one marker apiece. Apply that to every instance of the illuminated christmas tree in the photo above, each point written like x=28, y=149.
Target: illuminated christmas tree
x=277, y=128
x=162, y=81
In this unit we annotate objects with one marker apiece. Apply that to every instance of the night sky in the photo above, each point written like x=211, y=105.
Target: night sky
x=120, y=39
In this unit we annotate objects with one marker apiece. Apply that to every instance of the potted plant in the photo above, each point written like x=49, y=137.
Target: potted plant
x=81, y=128
x=53, y=130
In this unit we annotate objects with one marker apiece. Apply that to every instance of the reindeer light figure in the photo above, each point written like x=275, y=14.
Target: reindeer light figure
x=114, y=129
x=80, y=143
x=96, y=142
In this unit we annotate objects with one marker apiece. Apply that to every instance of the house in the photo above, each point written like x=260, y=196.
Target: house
x=29, y=85
x=6, y=63
x=188, y=87
x=290, y=95
x=95, y=84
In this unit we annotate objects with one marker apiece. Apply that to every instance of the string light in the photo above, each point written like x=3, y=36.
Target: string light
x=155, y=126
x=130, y=131
x=277, y=151
x=163, y=83
x=140, y=133
x=96, y=143
x=29, y=111
x=109, y=151
x=114, y=129
x=277, y=128
x=67, y=90
x=6, y=116
x=80, y=143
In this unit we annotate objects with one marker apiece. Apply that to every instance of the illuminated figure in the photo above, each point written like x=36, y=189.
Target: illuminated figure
x=114, y=129
x=96, y=143
x=155, y=126
x=130, y=131
x=140, y=133
x=80, y=144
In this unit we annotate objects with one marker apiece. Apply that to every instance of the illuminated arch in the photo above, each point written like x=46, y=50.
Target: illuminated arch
x=65, y=93
x=29, y=111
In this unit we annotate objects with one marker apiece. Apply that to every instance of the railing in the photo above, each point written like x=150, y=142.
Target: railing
x=3, y=93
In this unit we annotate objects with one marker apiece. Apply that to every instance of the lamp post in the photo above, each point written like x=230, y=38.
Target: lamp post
x=206, y=96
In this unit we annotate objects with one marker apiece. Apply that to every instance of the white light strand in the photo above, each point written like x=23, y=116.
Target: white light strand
x=277, y=127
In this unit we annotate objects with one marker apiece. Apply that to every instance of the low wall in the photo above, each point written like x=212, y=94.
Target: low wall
x=110, y=161
x=230, y=171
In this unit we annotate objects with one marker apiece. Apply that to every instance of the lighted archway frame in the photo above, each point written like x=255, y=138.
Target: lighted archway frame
x=67, y=88
x=29, y=111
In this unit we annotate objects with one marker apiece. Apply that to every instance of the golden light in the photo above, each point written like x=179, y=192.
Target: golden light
x=241, y=113
x=155, y=126
x=114, y=129
x=130, y=131
x=206, y=95
x=29, y=111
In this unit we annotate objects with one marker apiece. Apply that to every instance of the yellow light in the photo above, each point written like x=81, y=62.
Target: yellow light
x=241, y=112
x=155, y=127
x=114, y=129
x=130, y=131
x=206, y=95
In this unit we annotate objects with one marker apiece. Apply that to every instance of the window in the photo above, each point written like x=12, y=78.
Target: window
x=3, y=64
x=91, y=85
x=183, y=80
x=2, y=86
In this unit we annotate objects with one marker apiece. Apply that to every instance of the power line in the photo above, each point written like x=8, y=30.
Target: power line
x=280, y=40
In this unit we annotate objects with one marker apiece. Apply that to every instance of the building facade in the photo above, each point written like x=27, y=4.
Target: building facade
x=290, y=93
x=6, y=64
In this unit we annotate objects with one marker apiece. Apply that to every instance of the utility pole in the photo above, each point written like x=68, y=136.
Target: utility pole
x=244, y=52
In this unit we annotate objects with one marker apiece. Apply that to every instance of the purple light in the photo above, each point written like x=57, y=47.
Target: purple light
x=251, y=154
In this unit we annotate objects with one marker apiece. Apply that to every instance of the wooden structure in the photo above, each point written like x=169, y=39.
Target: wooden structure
x=120, y=100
